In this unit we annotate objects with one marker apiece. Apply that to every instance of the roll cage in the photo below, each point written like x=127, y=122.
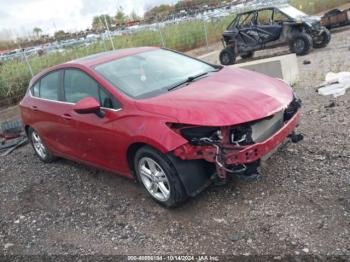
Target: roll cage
x=253, y=16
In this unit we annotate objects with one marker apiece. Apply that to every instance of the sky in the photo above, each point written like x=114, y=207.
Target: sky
x=19, y=17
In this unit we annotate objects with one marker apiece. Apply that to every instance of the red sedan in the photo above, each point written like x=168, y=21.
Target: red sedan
x=170, y=121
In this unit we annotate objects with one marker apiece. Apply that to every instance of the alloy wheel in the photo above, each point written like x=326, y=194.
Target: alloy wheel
x=154, y=179
x=38, y=145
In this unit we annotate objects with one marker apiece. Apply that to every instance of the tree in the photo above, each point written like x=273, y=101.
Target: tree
x=60, y=35
x=120, y=17
x=37, y=31
x=159, y=11
x=134, y=16
x=99, y=22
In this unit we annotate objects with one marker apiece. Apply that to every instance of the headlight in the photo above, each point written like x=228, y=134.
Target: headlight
x=241, y=135
x=197, y=135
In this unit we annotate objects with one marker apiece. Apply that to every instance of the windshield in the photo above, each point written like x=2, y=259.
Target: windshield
x=151, y=73
x=292, y=12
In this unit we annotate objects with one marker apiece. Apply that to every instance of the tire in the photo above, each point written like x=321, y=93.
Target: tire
x=247, y=55
x=301, y=44
x=227, y=56
x=154, y=162
x=39, y=147
x=324, y=40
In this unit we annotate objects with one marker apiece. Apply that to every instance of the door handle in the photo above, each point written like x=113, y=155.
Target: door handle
x=35, y=108
x=67, y=116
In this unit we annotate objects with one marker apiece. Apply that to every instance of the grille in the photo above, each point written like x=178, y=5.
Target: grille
x=264, y=129
x=258, y=131
x=261, y=130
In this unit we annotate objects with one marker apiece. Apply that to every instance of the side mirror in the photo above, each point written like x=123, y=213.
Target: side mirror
x=89, y=105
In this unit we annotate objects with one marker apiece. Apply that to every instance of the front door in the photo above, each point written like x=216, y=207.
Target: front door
x=92, y=139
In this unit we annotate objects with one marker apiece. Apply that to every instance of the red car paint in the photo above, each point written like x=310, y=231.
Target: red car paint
x=226, y=98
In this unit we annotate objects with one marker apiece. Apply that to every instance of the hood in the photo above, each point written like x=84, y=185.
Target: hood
x=313, y=20
x=224, y=98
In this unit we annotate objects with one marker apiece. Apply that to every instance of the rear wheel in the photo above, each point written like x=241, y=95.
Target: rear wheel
x=227, y=56
x=159, y=177
x=39, y=146
x=247, y=55
x=301, y=44
x=322, y=40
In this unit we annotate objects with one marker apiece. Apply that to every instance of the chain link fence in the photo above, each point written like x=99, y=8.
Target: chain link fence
x=182, y=35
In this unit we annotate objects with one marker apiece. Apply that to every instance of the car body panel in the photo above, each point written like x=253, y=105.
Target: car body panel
x=218, y=100
x=99, y=142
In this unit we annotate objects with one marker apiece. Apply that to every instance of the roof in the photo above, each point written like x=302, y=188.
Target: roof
x=100, y=58
x=263, y=7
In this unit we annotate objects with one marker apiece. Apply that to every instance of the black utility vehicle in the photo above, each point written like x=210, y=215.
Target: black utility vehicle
x=270, y=27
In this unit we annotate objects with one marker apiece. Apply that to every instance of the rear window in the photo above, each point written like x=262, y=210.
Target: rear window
x=35, y=89
x=49, y=86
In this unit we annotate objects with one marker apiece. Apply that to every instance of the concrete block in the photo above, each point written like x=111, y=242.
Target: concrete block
x=212, y=57
x=284, y=67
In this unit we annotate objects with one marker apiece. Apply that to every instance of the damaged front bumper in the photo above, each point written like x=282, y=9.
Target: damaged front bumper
x=232, y=157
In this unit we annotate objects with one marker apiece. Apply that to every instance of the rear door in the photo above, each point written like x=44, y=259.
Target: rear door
x=247, y=29
x=268, y=30
x=46, y=108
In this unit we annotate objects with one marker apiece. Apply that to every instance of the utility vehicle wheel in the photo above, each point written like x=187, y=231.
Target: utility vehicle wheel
x=227, y=56
x=322, y=40
x=247, y=55
x=301, y=44
x=158, y=175
x=40, y=148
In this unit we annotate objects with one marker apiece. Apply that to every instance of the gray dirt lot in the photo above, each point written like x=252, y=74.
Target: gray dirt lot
x=302, y=205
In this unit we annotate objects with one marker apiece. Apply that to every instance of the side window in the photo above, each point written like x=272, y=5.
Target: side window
x=107, y=100
x=35, y=89
x=278, y=16
x=77, y=85
x=247, y=20
x=49, y=86
x=265, y=17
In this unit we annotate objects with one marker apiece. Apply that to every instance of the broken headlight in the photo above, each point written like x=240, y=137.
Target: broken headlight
x=241, y=135
x=201, y=135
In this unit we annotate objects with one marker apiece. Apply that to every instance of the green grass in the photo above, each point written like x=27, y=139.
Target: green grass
x=15, y=75
x=316, y=6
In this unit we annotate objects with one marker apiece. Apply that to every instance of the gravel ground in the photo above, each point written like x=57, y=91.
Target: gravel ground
x=302, y=206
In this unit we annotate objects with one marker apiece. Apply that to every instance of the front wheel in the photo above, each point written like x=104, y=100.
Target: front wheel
x=159, y=177
x=301, y=44
x=227, y=56
x=323, y=39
